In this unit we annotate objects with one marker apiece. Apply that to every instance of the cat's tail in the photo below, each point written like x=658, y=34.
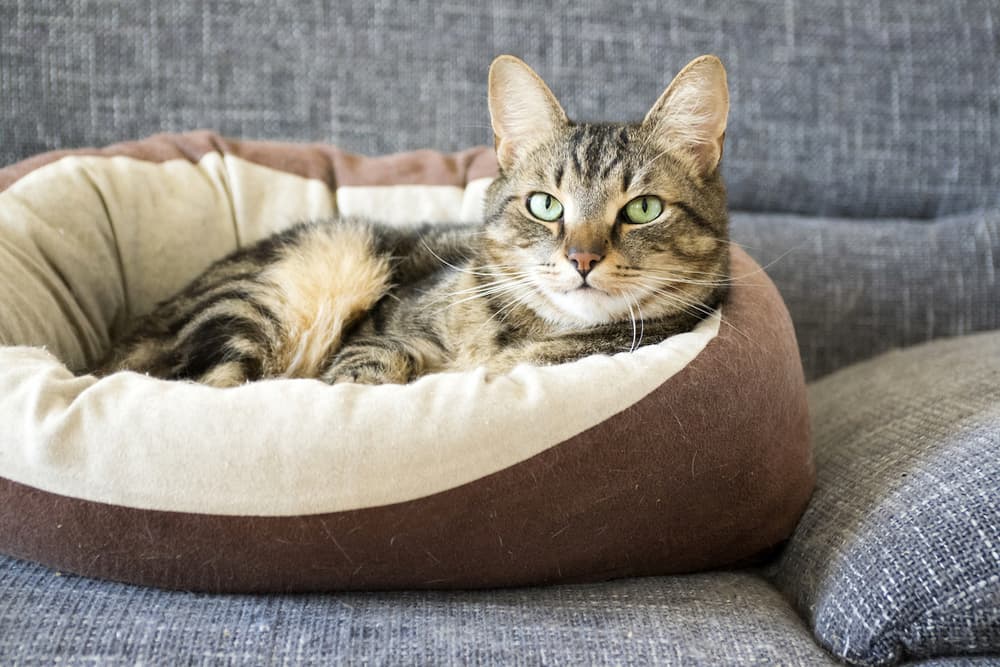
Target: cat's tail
x=331, y=277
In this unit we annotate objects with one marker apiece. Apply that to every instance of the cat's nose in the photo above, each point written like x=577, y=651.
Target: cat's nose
x=583, y=260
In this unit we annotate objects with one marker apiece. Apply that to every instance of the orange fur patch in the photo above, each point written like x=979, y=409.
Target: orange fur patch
x=322, y=285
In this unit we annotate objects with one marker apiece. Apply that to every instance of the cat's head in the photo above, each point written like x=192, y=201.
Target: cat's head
x=599, y=223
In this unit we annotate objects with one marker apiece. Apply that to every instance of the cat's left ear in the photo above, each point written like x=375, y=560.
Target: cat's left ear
x=690, y=116
x=523, y=110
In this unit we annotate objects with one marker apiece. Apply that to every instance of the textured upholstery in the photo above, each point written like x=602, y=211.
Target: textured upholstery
x=725, y=619
x=864, y=110
x=839, y=106
x=898, y=554
x=855, y=288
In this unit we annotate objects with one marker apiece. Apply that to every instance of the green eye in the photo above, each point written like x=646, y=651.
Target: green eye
x=545, y=207
x=643, y=209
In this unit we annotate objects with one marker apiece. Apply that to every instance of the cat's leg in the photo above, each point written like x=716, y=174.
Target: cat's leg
x=224, y=345
x=382, y=360
x=559, y=350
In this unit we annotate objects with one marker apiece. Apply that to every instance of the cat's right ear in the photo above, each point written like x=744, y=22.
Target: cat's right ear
x=523, y=110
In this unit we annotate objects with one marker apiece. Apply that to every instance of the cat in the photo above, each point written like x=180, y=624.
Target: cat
x=597, y=238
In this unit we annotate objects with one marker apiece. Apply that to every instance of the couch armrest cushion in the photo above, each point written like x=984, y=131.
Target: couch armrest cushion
x=898, y=555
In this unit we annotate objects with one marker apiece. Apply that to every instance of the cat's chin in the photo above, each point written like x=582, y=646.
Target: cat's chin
x=583, y=306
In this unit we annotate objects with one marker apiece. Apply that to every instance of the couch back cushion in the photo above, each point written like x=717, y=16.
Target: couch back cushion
x=839, y=107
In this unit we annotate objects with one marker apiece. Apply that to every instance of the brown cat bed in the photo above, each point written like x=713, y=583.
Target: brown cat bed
x=685, y=455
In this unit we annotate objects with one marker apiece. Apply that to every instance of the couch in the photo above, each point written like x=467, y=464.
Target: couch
x=863, y=173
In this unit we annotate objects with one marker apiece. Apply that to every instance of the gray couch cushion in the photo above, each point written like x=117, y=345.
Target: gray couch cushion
x=838, y=107
x=898, y=554
x=855, y=288
x=712, y=619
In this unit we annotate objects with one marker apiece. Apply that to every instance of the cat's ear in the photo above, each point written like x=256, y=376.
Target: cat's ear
x=523, y=110
x=690, y=116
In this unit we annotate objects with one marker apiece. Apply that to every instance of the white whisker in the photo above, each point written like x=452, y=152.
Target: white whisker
x=485, y=286
x=642, y=321
x=494, y=288
x=631, y=315
x=449, y=264
x=688, y=305
x=508, y=307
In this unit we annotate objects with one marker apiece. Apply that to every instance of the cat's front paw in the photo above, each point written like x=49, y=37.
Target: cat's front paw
x=358, y=376
x=377, y=362
x=363, y=373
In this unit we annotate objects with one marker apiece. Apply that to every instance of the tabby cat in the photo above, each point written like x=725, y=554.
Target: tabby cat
x=597, y=238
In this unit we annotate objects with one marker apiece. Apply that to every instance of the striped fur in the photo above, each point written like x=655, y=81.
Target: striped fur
x=274, y=310
x=351, y=300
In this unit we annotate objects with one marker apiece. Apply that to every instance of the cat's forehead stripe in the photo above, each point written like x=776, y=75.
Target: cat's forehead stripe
x=626, y=179
x=591, y=153
x=596, y=150
x=614, y=162
x=574, y=143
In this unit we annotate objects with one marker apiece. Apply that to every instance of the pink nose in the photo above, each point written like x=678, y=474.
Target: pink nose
x=583, y=260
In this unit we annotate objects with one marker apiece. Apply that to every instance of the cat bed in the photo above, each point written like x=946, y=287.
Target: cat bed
x=690, y=454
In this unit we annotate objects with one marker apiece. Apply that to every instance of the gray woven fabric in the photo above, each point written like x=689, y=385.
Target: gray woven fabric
x=898, y=554
x=856, y=288
x=841, y=107
x=722, y=619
